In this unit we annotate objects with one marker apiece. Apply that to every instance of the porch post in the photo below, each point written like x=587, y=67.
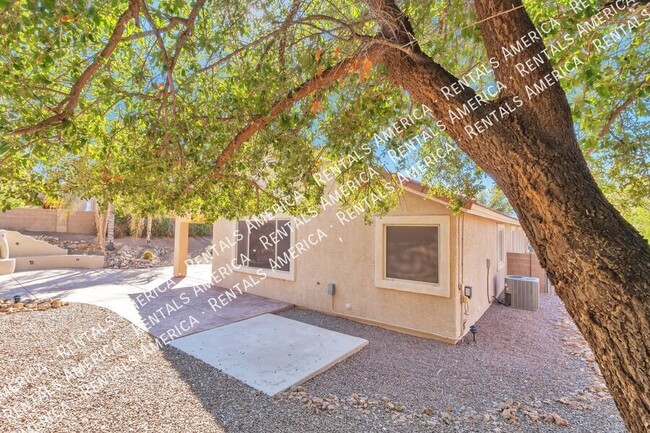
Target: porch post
x=181, y=239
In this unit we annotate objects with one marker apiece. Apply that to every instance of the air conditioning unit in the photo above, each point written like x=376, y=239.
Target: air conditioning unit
x=524, y=292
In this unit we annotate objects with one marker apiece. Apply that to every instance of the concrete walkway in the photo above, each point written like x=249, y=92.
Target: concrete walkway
x=151, y=299
x=229, y=330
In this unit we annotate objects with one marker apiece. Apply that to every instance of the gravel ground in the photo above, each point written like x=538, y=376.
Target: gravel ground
x=91, y=371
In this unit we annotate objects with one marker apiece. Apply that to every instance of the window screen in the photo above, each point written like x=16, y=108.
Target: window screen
x=242, y=244
x=412, y=253
x=262, y=244
x=283, y=246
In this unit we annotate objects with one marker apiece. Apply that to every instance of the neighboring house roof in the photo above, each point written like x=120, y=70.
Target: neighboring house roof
x=471, y=207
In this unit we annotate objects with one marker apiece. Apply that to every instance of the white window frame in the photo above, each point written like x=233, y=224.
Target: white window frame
x=514, y=238
x=501, y=253
x=442, y=288
x=289, y=275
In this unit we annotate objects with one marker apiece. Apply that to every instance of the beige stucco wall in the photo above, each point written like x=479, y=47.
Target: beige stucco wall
x=346, y=257
x=23, y=253
x=59, y=262
x=81, y=222
x=20, y=245
x=476, y=246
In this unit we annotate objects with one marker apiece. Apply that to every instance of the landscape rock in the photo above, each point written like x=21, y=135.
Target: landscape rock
x=30, y=305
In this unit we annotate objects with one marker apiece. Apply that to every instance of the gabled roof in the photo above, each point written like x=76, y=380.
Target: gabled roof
x=471, y=207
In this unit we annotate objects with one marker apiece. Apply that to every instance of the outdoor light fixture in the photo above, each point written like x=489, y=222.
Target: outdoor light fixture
x=473, y=329
x=468, y=292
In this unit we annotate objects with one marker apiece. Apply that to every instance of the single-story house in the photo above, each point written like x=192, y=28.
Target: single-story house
x=421, y=269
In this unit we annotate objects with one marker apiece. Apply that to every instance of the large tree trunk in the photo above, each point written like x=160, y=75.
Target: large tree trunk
x=599, y=264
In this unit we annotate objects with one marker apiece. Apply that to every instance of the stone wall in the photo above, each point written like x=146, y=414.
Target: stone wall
x=48, y=220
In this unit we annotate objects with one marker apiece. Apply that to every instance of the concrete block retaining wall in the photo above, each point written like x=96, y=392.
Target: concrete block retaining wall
x=48, y=220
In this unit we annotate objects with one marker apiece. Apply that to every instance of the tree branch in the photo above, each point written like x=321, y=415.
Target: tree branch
x=409, y=67
x=156, y=32
x=327, y=77
x=189, y=27
x=315, y=83
x=293, y=10
x=252, y=44
x=9, y=6
x=172, y=23
x=619, y=110
x=283, y=28
x=510, y=36
x=635, y=5
x=67, y=105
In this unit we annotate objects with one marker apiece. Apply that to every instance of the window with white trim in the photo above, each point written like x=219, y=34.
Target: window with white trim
x=264, y=244
x=501, y=246
x=412, y=254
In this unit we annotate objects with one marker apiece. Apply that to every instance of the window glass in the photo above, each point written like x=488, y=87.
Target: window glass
x=412, y=253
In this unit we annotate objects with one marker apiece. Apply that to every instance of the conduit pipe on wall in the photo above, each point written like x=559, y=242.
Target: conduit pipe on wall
x=405, y=328
x=464, y=306
x=487, y=287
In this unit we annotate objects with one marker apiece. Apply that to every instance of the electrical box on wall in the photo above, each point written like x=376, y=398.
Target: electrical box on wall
x=331, y=287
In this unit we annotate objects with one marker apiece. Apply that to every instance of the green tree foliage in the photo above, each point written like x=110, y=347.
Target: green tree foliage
x=140, y=103
x=496, y=199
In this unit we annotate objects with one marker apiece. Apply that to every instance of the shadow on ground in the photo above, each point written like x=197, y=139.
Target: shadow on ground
x=519, y=356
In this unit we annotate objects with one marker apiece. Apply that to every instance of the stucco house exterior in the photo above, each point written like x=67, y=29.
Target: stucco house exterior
x=409, y=271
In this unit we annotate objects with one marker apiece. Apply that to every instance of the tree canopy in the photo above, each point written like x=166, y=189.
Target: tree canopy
x=225, y=109
x=146, y=102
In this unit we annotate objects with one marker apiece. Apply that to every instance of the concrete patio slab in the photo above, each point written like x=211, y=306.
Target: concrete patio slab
x=270, y=353
x=163, y=310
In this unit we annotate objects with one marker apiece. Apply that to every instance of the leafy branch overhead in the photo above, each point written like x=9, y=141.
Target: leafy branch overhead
x=164, y=95
x=191, y=87
x=220, y=109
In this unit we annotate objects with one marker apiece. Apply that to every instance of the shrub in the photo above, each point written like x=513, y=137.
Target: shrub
x=161, y=227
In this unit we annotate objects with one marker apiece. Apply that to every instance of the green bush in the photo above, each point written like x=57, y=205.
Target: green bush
x=200, y=230
x=161, y=227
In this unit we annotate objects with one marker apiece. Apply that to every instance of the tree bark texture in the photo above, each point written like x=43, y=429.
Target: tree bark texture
x=599, y=264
